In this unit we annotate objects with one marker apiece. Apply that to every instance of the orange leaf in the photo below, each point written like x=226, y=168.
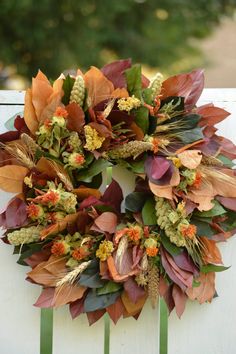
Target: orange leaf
x=190, y=158
x=41, y=91
x=120, y=93
x=85, y=192
x=211, y=115
x=75, y=120
x=29, y=113
x=211, y=253
x=46, y=166
x=59, y=226
x=131, y=307
x=11, y=178
x=205, y=291
x=113, y=271
x=98, y=86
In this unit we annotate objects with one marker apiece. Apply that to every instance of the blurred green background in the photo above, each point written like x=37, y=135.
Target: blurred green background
x=170, y=36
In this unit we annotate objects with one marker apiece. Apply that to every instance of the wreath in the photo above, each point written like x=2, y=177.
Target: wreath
x=91, y=247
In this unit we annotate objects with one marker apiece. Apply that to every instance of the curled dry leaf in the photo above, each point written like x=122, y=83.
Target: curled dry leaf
x=205, y=291
x=190, y=158
x=166, y=191
x=12, y=177
x=211, y=253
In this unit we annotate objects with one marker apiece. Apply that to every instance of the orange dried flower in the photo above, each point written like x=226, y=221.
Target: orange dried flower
x=47, y=123
x=61, y=112
x=59, y=248
x=80, y=253
x=34, y=211
x=189, y=231
x=155, y=143
x=152, y=251
x=50, y=197
x=198, y=180
x=134, y=233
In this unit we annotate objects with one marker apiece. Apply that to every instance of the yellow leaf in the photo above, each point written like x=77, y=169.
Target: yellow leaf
x=11, y=178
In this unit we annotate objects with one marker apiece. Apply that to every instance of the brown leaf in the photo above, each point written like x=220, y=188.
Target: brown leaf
x=102, y=129
x=85, y=192
x=190, y=158
x=120, y=93
x=29, y=113
x=12, y=177
x=139, y=135
x=211, y=115
x=46, y=298
x=98, y=86
x=46, y=166
x=180, y=299
x=206, y=290
x=68, y=293
x=133, y=308
x=94, y=316
x=116, y=310
x=211, y=253
x=106, y=222
x=75, y=120
x=59, y=226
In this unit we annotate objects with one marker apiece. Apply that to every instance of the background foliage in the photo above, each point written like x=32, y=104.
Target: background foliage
x=64, y=34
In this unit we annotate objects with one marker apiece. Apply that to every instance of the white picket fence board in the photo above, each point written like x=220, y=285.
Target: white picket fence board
x=206, y=329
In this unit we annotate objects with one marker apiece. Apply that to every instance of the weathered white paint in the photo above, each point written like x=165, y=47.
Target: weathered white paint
x=206, y=329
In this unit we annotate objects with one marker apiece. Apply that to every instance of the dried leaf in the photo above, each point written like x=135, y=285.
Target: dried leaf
x=68, y=293
x=114, y=272
x=41, y=91
x=46, y=298
x=190, y=158
x=106, y=222
x=120, y=93
x=59, y=226
x=46, y=166
x=75, y=120
x=98, y=86
x=11, y=178
x=206, y=290
x=85, y=192
x=94, y=316
x=76, y=308
x=134, y=291
x=116, y=310
x=180, y=299
x=115, y=72
x=29, y=113
x=211, y=115
x=131, y=307
x=211, y=253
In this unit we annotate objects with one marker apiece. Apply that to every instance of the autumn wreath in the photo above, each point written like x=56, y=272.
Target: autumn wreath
x=92, y=249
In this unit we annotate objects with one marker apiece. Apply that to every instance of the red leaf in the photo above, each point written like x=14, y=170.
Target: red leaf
x=113, y=195
x=180, y=299
x=137, y=255
x=229, y=203
x=94, y=316
x=75, y=119
x=76, y=308
x=116, y=310
x=211, y=115
x=15, y=214
x=38, y=257
x=115, y=72
x=46, y=299
x=188, y=85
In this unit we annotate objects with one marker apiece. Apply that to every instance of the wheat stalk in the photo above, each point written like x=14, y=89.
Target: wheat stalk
x=71, y=276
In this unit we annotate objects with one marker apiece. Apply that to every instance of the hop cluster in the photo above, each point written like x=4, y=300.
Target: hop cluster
x=24, y=235
x=131, y=149
x=78, y=91
x=155, y=85
x=153, y=284
x=165, y=220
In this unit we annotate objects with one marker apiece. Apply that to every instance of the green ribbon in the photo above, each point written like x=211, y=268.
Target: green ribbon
x=46, y=331
x=163, y=339
x=106, y=334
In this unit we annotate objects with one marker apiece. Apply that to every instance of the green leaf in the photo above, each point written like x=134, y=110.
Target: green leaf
x=212, y=268
x=175, y=101
x=149, y=213
x=215, y=211
x=196, y=284
x=203, y=227
x=94, y=169
x=135, y=201
x=67, y=87
x=147, y=95
x=227, y=162
x=109, y=287
x=31, y=249
x=95, y=302
x=134, y=80
x=189, y=136
x=142, y=118
x=169, y=246
x=137, y=166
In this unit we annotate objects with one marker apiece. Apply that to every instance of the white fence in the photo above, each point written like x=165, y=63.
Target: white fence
x=205, y=329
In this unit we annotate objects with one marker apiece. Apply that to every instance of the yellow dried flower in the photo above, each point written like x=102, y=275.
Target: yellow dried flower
x=176, y=161
x=93, y=139
x=105, y=249
x=28, y=181
x=129, y=103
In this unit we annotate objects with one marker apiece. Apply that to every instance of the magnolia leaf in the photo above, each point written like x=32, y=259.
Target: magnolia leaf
x=76, y=308
x=12, y=177
x=205, y=291
x=68, y=84
x=68, y=293
x=180, y=299
x=212, y=268
x=135, y=201
x=29, y=113
x=131, y=307
x=190, y=158
x=46, y=298
x=134, y=80
x=75, y=120
x=189, y=136
x=94, y=169
x=211, y=115
x=116, y=310
x=106, y=222
x=94, y=316
x=149, y=213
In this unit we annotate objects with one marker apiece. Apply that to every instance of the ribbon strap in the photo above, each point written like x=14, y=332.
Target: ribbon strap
x=163, y=339
x=106, y=334
x=46, y=331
